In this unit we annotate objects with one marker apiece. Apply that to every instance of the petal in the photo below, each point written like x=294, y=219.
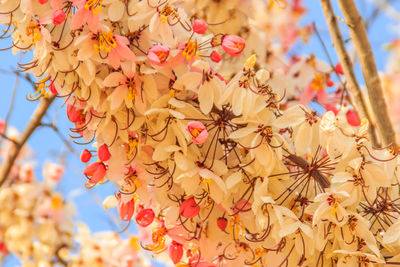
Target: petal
x=114, y=79
x=117, y=96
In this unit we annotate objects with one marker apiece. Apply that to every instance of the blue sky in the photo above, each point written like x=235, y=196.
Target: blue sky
x=48, y=146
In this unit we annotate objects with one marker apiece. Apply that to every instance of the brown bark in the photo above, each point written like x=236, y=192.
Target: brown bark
x=363, y=48
x=34, y=122
x=352, y=84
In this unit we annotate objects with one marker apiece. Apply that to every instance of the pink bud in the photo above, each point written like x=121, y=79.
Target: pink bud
x=103, y=152
x=126, y=209
x=233, y=45
x=199, y=26
x=175, y=252
x=329, y=83
x=2, y=127
x=43, y=1
x=352, y=118
x=339, y=69
x=145, y=217
x=158, y=54
x=74, y=115
x=215, y=56
x=3, y=248
x=58, y=17
x=198, y=131
x=222, y=223
x=242, y=206
x=85, y=156
x=330, y=107
x=95, y=171
x=189, y=208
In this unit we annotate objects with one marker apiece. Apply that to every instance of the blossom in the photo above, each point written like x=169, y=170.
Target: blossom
x=233, y=45
x=88, y=12
x=158, y=54
x=198, y=131
x=53, y=171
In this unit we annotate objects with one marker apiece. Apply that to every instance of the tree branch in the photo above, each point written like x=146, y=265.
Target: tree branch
x=353, y=86
x=16, y=147
x=363, y=48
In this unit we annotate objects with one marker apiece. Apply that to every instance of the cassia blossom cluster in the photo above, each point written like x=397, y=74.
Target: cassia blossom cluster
x=37, y=226
x=211, y=151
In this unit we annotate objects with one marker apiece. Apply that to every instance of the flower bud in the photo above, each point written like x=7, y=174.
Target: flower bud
x=58, y=17
x=199, y=26
x=85, y=156
x=215, y=56
x=233, y=45
x=103, y=152
x=43, y=1
x=95, y=172
x=175, y=252
x=339, y=69
x=189, y=208
x=352, y=118
x=126, y=209
x=222, y=223
x=145, y=217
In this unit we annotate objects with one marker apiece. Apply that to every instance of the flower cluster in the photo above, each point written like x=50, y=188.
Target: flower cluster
x=211, y=151
x=36, y=223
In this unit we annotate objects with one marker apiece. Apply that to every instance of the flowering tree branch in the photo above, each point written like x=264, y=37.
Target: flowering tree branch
x=347, y=65
x=34, y=122
x=371, y=77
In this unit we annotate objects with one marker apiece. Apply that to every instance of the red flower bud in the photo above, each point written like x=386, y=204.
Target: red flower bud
x=222, y=223
x=189, y=208
x=175, y=252
x=43, y=1
x=85, y=156
x=126, y=209
x=215, y=56
x=199, y=26
x=103, y=152
x=329, y=83
x=74, y=115
x=339, y=69
x=145, y=217
x=95, y=171
x=58, y=17
x=352, y=118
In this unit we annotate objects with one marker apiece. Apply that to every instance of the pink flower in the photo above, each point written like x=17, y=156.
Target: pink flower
x=103, y=152
x=241, y=206
x=233, y=45
x=85, y=156
x=58, y=17
x=198, y=131
x=53, y=171
x=189, y=208
x=175, y=252
x=120, y=52
x=126, y=209
x=315, y=88
x=158, y=54
x=95, y=172
x=85, y=14
x=145, y=217
x=215, y=56
x=199, y=26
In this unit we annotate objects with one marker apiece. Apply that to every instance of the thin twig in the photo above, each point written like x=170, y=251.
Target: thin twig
x=16, y=147
x=62, y=138
x=365, y=54
x=361, y=106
